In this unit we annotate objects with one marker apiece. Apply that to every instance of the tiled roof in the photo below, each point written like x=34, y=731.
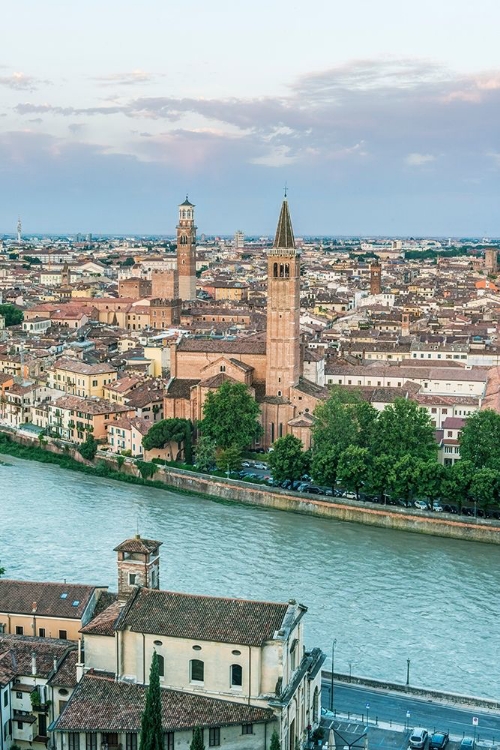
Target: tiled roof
x=138, y=544
x=7, y=666
x=21, y=597
x=250, y=345
x=45, y=649
x=66, y=673
x=72, y=365
x=180, y=388
x=104, y=623
x=205, y=618
x=93, y=405
x=99, y=703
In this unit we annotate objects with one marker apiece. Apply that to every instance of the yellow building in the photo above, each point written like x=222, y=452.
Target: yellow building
x=79, y=379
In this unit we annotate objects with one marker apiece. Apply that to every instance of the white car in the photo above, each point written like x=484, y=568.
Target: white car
x=326, y=714
x=437, y=506
x=421, y=505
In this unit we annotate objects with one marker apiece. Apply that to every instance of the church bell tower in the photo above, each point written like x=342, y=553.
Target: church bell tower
x=138, y=565
x=186, y=251
x=283, y=310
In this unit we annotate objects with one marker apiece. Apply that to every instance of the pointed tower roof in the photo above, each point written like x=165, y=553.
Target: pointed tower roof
x=284, y=238
x=187, y=203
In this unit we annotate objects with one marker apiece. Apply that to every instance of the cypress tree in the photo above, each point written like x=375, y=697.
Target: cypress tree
x=275, y=741
x=197, y=741
x=151, y=729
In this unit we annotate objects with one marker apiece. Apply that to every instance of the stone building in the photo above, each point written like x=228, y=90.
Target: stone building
x=186, y=251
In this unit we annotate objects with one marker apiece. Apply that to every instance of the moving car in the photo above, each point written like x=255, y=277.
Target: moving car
x=439, y=740
x=418, y=738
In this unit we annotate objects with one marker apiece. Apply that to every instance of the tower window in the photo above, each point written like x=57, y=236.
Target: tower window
x=132, y=577
x=287, y=271
x=279, y=394
x=161, y=665
x=275, y=270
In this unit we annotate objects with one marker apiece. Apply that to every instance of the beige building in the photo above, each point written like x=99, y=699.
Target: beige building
x=73, y=417
x=79, y=379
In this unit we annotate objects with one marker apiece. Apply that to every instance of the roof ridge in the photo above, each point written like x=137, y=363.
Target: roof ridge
x=212, y=596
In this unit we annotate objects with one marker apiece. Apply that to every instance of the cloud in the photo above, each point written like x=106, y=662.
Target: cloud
x=123, y=79
x=418, y=160
x=20, y=81
x=77, y=127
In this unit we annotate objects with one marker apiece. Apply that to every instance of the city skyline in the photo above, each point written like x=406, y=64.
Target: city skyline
x=381, y=123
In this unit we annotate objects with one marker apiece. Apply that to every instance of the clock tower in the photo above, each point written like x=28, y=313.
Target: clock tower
x=186, y=251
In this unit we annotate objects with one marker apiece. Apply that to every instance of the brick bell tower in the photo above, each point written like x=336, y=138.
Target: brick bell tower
x=138, y=565
x=186, y=251
x=283, y=310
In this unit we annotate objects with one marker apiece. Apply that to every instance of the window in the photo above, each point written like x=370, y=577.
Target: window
x=6, y=699
x=161, y=665
x=19, y=694
x=131, y=741
x=91, y=741
x=245, y=729
x=19, y=724
x=214, y=737
x=197, y=670
x=131, y=579
x=73, y=740
x=63, y=635
x=41, y=632
x=19, y=630
x=168, y=741
x=236, y=675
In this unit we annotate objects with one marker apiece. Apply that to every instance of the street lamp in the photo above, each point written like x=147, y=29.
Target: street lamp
x=407, y=672
x=333, y=670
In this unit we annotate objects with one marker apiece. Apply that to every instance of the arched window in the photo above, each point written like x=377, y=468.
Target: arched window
x=315, y=705
x=275, y=270
x=287, y=271
x=161, y=665
x=236, y=675
x=196, y=670
x=282, y=272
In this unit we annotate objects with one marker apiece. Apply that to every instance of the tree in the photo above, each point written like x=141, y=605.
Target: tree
x=457, y=482
x=166, y=431
x=407, y=472
x=13, y=316
x=339, y=422
x=146, y=469
x=275, y=741
x=88, y=448
x=288, y=460
x=2, y=571
x=229, y=459
x=353, y=468
x=485, y=487
x=431, y=480
x=480, y=439
x=197, y=741
x=404, y=428
x=381, y=475
x=205, y=453
x=231, y=416
x=151, y=728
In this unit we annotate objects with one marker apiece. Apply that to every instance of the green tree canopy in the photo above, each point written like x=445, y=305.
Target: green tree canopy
x=485, y=487
x=288, y=460
x=2, y=571
x=480, y=439
x=197, y=741
x=88, y=448
x=343, y=420
x=166, y=431
x=431, y=480
x=13, y=316
x=404, y=428
x=353, y=468
x=381, y=476
x=457, y=482
x=231, y=416
x=229, y=459
x=151, y=728
x=275, y=741
x=407, y=473
x=205, y=453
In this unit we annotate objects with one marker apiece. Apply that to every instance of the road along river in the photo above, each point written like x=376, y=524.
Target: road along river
x=386, y=596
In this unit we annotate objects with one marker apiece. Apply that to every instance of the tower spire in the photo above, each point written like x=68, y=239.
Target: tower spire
x=284, y=238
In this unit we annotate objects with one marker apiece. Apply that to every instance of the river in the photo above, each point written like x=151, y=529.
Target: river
x=386, y=596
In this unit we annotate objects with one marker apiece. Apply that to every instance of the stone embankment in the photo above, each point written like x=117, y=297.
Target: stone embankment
x=234, y=491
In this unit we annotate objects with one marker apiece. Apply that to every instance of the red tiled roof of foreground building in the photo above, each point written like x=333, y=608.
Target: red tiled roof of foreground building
x=206, y=618
x=68, y=600
x=99, y=703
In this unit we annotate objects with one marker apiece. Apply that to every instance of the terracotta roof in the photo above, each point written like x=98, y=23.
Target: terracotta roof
x=99, y=703
x=105, y=622
x=137, y=544
x=250, y=345
x=66, y=672
x=205, y=618
x=67, y=600
x=179, y=388
x=45, y=650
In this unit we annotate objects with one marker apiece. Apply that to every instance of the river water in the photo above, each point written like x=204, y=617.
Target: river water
x=386, y=596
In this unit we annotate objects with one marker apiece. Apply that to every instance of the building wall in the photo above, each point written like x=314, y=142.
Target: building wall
x=31, y=625
x=164, y=284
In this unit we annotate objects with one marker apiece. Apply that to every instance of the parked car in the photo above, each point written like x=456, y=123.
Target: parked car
x=438, y=740
x=467, y=744
x=436, y=506
x=418, y=738
x=326, y=714
x=260, y=465
x=421, y=505
x=245, y=464
x=313, y=490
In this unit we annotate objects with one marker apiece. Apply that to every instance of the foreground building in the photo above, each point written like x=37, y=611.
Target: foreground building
x=236, y=668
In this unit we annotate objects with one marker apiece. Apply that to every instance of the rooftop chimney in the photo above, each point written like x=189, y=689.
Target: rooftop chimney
x=33, y=663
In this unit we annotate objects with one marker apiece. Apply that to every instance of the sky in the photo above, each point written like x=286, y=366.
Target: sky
x=382, y=117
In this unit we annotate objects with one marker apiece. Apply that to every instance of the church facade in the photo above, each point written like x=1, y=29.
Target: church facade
x=270, y=364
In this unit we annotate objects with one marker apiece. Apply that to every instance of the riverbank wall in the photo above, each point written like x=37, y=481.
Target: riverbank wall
x=234, y=491
x=437, y=696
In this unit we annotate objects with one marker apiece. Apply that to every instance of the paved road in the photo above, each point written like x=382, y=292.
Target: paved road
x=392, y=707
